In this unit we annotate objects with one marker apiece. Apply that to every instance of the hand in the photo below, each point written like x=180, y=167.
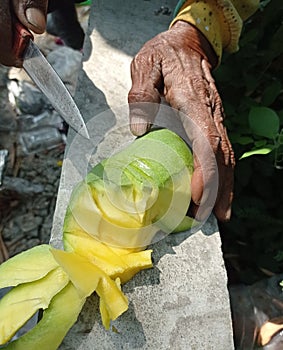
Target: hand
x=31, y=13
x=177, y=64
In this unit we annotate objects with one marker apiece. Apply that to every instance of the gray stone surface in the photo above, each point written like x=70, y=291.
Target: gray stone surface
x=183, y=302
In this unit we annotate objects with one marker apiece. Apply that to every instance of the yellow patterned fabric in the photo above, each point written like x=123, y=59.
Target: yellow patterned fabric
x=219, y=20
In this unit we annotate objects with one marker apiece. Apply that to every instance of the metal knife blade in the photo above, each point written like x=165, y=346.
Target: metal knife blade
x=48, y=81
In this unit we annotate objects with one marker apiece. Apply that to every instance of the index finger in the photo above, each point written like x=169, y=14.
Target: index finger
x=144, y=96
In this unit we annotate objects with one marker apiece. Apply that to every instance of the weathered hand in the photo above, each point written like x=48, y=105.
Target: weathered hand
x=177, y=64
x=31, y=13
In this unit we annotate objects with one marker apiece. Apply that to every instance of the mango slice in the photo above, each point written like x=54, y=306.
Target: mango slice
x=114, y=262
x=111, y=296
x=49, y=333
x=88, y=278
x=23, y=301
x=84, y=275
x=27, y=266
x=136, y=262
x=104, y=310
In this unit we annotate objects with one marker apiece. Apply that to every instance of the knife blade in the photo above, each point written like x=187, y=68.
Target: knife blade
x=47, y=80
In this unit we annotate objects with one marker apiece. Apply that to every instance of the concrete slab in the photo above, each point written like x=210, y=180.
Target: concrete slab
x=183, y=302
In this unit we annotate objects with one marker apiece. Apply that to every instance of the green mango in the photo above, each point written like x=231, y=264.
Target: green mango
x=112, y=216
x=50, y=331
x=23, y=301
x=28, y=266
x=126, y=199
x=87, y=278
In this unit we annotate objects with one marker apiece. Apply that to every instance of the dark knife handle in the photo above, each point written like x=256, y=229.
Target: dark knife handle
x=22, y=36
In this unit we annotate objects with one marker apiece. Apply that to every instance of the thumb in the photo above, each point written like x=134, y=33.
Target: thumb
x=32, y=14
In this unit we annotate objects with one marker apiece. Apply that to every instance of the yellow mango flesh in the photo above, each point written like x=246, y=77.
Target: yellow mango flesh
x=84, y=275
x=115, y=262
x=112, y=297
x=49, y=333
x=88, y=278
x=84, y=210
x=27, y=266
x=89, y=211
x=23, y=301
x=104, y=310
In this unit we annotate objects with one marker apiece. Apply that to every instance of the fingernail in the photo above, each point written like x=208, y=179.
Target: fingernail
x=36, y=18
x=139, y=126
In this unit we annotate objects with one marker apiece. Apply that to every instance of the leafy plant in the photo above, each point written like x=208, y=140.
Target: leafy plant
x=250, y=84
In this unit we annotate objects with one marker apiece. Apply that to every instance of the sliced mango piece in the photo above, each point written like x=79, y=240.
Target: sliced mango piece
x=105, y=317
x=88, y=278
x=49, y=333
x=92, y=210
x=23, y=301
x=93, y=249
x=114, y=262
x=28, y=266
x=98, y=254
x=83, y=274
x=114, y=300
x=136, y=262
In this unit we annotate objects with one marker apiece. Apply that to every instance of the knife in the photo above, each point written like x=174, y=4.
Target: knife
x=47, y=80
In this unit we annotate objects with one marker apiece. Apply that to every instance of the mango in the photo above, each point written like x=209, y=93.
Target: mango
x=104, y=308
x=23, y=301
x=114, y=262
x=84, y=275
x=126, y=199
x=28, y=266
x=112, y=216
x=88, y=277
x=49, y=333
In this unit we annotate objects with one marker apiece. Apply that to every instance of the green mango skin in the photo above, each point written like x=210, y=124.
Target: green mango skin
x=138, y=191
x=28, y=266
x=153, y=157
x=60, y=316
x=23, y=301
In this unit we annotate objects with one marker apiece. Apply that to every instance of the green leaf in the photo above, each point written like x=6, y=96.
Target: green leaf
x=260, y=151
x=264, y=122
x=271, y=93
x=260, y=143
x=242, y=140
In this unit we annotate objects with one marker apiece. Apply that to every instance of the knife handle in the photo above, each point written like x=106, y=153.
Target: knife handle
x=22, y=36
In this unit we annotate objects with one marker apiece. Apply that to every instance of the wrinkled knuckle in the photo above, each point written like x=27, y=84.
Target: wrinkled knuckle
x=198, y=83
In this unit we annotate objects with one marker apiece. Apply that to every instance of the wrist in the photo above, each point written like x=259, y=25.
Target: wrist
x=217, y=20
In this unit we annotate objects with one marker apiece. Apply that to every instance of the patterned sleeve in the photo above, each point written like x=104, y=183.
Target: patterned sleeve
x=219, y=20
